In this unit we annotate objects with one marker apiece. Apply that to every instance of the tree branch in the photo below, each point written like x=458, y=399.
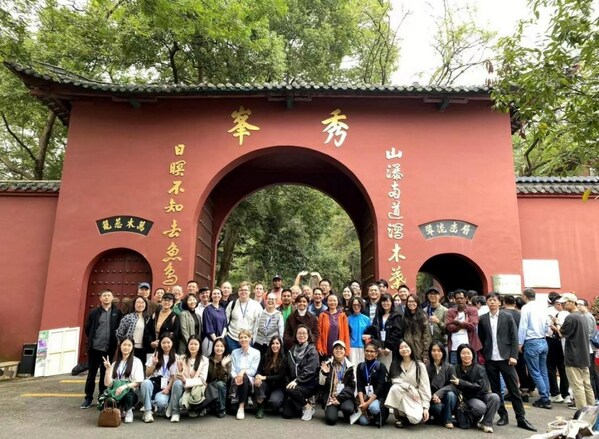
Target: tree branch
x=17, y=139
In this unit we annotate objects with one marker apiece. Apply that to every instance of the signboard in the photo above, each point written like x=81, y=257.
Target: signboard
x=448, y=227
x=507, y=284
x=541, y=273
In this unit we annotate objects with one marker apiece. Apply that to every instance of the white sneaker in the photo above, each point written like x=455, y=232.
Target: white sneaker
x=148, y=417
x=175, y=418
x=557, y=398
x=354, y=417
x=485, y=428
x=240, y=414
x=168, y=411
x=567, y=400
x=307, y=414
x=129, y=416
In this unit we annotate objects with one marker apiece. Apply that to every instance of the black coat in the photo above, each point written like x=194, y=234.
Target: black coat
x=473, y=381
x=507, y=335
x=304, y=372
x=348, y=380
x=394, y=328
x=171, y=324
x=440, y=381
x=276, y=379
x=378, y=380
x=91, y=324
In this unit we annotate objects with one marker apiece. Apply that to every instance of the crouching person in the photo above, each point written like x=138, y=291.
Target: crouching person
x=160, y=368
x=338, y=385
x=372, y=388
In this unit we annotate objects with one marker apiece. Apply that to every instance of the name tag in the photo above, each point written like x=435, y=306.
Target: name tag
x=163, y=383
x=339, y=388
x=369, y=391
x=383, y=335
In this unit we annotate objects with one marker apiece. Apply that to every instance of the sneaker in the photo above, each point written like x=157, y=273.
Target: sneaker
x=129, y=416
x=148, y=417
x=485, y=428
x=175, y=418
x=568, y=400
x=557, y=398
x=221, y=414
x=260, y=412
x=87, y=403
x=354, y=417
x=168, y=411
x=240, y=414
x=307, y=414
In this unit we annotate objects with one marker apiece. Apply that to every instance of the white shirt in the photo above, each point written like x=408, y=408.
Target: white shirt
x=495, y=356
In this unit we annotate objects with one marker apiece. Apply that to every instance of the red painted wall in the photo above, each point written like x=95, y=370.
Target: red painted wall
x=456, y=164
x=564, y=229
x=26, y=224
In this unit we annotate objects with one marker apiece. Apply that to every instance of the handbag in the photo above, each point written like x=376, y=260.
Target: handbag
x=110, y=416
x=463, y=415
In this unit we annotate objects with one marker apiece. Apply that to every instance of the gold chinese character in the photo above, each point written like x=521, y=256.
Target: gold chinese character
x=106, y=225
x=172, y=253
x=174, y=231
x=394, y=172
x=130, y=223
x=395, y=192
x=173, y=206
x=395, y=213
x=392, y=154
x=177, y=168
x=171, y=277
x=179, y=149
x=118, y=224
x=397, y=278
x=335, y=128
x=176, y=188
x=141, y=226
x=395, y=254
x=242, y=127
x=429, y=230
x=441, y=228
x=395, y=231
x=453, y=228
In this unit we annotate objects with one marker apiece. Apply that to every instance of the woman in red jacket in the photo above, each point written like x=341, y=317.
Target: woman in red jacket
x=332, y=326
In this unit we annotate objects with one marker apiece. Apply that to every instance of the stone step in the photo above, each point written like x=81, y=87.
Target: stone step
x=8, y=370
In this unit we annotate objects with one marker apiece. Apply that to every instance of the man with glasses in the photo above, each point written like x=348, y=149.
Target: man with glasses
x=242, y=313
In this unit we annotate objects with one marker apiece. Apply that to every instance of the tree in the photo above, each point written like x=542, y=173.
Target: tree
x=551, y=88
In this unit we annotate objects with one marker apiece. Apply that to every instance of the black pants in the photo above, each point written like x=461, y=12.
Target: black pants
x=295, y=400
x=594, y=377
x=94, y=362
x=555, y=363
x=494, y=368
x=331, y=412
x=240, y=392
x=128, y=401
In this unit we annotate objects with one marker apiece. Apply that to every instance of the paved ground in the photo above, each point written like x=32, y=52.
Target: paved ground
x=35, y=408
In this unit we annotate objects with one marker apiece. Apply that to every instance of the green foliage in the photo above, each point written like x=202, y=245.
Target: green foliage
x=551, y=88
x=287, y=229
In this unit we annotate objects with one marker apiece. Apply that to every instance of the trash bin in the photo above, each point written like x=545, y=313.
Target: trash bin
x=27, y=365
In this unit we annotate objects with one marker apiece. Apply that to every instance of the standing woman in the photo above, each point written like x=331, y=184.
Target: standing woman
x=244, y=366
x=416, y=328
x=133, y=326
x=358, y=323
x=301, y=316
x=332, y=326
x=471, y=380
x=191, y=322
x=372, y=388
x=219, y=368
x=214, y=321
x=161, y=367
x=124, y=375
x=346, y=295
x=410, y=392
x=270, y=379
x=386, y=330
x=302, y=376
x=192, y=365
x=440, y=372
x=270, y=324
x=164, y=321
x=338, y=383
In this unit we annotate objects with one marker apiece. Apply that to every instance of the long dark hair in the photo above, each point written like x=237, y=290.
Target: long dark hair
x=396, y=370
x=218, y=340
x=441, y=347
x=273, y=362
x=379, y=308
x=198, y=359
x=171, y=355
x=144, y=313
x=118, y=357
x=417, y=322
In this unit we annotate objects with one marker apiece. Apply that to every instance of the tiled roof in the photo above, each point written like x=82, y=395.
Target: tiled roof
x=557, y=185
x=26, y=186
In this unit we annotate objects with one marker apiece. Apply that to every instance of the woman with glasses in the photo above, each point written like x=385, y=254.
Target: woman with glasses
x=164, y=321
x=372, y=388
x=358, y=323
x=416, y=328
x=269, y=325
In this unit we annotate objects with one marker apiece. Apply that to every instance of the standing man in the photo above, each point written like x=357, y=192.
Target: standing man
x=204, y=298
x=374, y=294
x=100, y=330
x=325, y=286
x=277, y=287
x=583, y=307
x=576, y=353
x=534, y=321
x=317, y=306
x=286, y=307
x=436, y=315
x=178, y=293
x=259, y=294
x=242, y=313
x=461, y=323
x=499, y=336
x=403, y=292
x=227, y=290
x=509, y=303
x=555, y=352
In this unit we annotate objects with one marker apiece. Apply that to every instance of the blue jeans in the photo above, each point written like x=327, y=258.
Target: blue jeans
x=374, y=409
x=453, y=357
x=160, y=399
x=443, y=411
x=176, y=394
x=535, y=355
x=231, y=344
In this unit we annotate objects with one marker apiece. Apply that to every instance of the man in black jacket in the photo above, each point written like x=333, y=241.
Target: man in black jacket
x=499, y=336
x=100, y=329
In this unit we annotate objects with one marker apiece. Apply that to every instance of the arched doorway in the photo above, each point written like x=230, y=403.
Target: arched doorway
x=452, y=271
x=285, y=165
x=120, y=270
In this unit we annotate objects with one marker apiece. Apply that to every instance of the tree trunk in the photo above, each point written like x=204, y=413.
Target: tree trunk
x=230, y=239
x=44, y=141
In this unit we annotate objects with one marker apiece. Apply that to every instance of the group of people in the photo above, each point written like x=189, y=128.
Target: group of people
x=212, y=351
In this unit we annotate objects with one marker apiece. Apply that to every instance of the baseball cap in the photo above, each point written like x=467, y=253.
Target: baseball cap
x=143, y=285
x=567, y=297
x=277, y=277
x=339, y=343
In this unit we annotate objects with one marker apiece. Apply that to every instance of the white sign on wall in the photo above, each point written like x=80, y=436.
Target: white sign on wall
x=508, y=284
x=541, y=273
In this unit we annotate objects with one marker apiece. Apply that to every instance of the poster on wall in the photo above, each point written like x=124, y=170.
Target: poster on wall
x=541, y=273
x=507, y=284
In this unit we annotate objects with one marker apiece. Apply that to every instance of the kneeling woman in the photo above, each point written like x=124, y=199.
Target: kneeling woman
x=302, y=376
x=410, y=392
x=372, y=388
x=471, y=380
x=244, y=366
x=270, y=379
x=123, y=376
x=440, y=372
x=192, y=366
x=219, y=368
x=338, y=385
x=161, y=367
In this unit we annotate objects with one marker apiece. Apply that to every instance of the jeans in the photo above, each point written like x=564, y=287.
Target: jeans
x=443, y=411
x=535, y=355
x=160, y=399
x=374, y=410
x=221, y=403
x=231, y=344
x=453, y=357
x=176, y=394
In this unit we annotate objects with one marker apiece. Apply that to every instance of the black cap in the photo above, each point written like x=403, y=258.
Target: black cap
x=277, y=277
x=433, y=290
